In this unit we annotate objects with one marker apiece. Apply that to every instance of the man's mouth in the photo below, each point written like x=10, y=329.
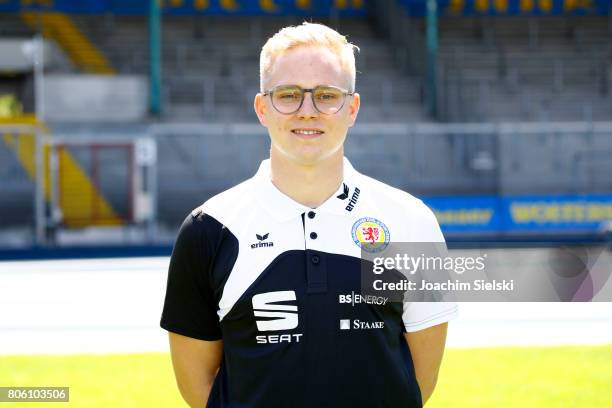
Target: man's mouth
x=307, y=132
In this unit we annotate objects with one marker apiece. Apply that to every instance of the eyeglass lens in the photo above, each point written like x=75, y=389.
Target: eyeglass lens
x=326, y=99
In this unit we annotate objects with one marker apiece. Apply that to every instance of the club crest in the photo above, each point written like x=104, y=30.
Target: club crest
x=370, y=234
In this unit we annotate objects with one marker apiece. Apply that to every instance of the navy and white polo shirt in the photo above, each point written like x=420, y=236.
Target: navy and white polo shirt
x=279, y=283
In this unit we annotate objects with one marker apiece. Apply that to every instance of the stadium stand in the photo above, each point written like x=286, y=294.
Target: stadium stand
x=553, y=68
x=490, y=68
x=209, y=60
x=520, y=101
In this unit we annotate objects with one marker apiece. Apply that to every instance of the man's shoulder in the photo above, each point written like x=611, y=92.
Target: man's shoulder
x=387, y=195
x=214, y=221
x=228, y=203
x=401, y=208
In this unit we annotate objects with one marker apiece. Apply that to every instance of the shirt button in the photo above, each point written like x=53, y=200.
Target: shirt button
x=313, y=235
x=311, y=214
x=315, y=259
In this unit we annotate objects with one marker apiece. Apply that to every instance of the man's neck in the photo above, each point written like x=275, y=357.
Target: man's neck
x=309, y=185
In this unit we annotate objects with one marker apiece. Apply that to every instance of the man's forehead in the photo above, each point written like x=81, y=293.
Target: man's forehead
x=308, y=66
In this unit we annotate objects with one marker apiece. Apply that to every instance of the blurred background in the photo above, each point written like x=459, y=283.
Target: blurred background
x=119, y=117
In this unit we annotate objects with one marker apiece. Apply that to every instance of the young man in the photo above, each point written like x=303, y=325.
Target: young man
x=260, y=303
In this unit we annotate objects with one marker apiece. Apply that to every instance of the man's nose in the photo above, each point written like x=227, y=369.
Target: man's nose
x=307, y=109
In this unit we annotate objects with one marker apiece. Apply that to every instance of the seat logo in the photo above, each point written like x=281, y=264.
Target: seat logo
x=280, y=316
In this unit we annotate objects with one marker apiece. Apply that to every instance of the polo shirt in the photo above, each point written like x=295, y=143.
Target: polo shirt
x=279, y=283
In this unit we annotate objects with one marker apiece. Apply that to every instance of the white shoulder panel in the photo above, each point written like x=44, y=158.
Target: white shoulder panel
x=412, y=220
x=239, y=212
x=230, y=205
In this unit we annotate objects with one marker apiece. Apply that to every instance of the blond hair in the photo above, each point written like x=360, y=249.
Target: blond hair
x=307, y=34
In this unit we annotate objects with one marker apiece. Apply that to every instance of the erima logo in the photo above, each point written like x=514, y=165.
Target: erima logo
x=345, y=194
x=285, y=317
x=356, y=298
x=347, y=324
x=261, y=244
x=353, y=200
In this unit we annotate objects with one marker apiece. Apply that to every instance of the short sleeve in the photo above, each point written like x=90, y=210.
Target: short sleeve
x=428, y=226
x=421, y=315
x=190, y=308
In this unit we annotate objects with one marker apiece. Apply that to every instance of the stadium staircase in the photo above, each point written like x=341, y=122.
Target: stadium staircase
x=60, y=28
x=81, y=203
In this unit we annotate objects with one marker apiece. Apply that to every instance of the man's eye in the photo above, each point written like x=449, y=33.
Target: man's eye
x=287, y=96
x=327, y=97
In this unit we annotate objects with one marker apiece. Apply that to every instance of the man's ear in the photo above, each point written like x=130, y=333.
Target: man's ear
x=354, y=108
x=259, y=104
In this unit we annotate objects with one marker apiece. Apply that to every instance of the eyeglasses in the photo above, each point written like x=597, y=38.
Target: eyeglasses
x=288, y=99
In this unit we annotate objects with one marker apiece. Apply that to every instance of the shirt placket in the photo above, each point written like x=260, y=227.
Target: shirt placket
x=316, y=264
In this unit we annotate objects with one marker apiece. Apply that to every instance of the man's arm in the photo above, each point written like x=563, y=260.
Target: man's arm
x=195, y=363
x=427, y=348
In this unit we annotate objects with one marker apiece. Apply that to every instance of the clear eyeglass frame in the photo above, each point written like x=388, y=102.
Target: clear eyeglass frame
x=333, y=109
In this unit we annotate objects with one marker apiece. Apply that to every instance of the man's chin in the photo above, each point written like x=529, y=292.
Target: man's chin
x=309, y=155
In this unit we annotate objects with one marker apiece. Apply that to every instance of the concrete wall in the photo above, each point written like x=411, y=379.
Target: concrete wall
x=95, y=98
x=17, y=55
x=197, y=161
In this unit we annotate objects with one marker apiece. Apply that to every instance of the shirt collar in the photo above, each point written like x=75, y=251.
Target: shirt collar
x=284, y=208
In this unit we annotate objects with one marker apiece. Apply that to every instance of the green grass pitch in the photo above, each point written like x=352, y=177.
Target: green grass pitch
x=493, y=377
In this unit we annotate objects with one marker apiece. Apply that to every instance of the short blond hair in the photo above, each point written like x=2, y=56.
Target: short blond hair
x=307, y=34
